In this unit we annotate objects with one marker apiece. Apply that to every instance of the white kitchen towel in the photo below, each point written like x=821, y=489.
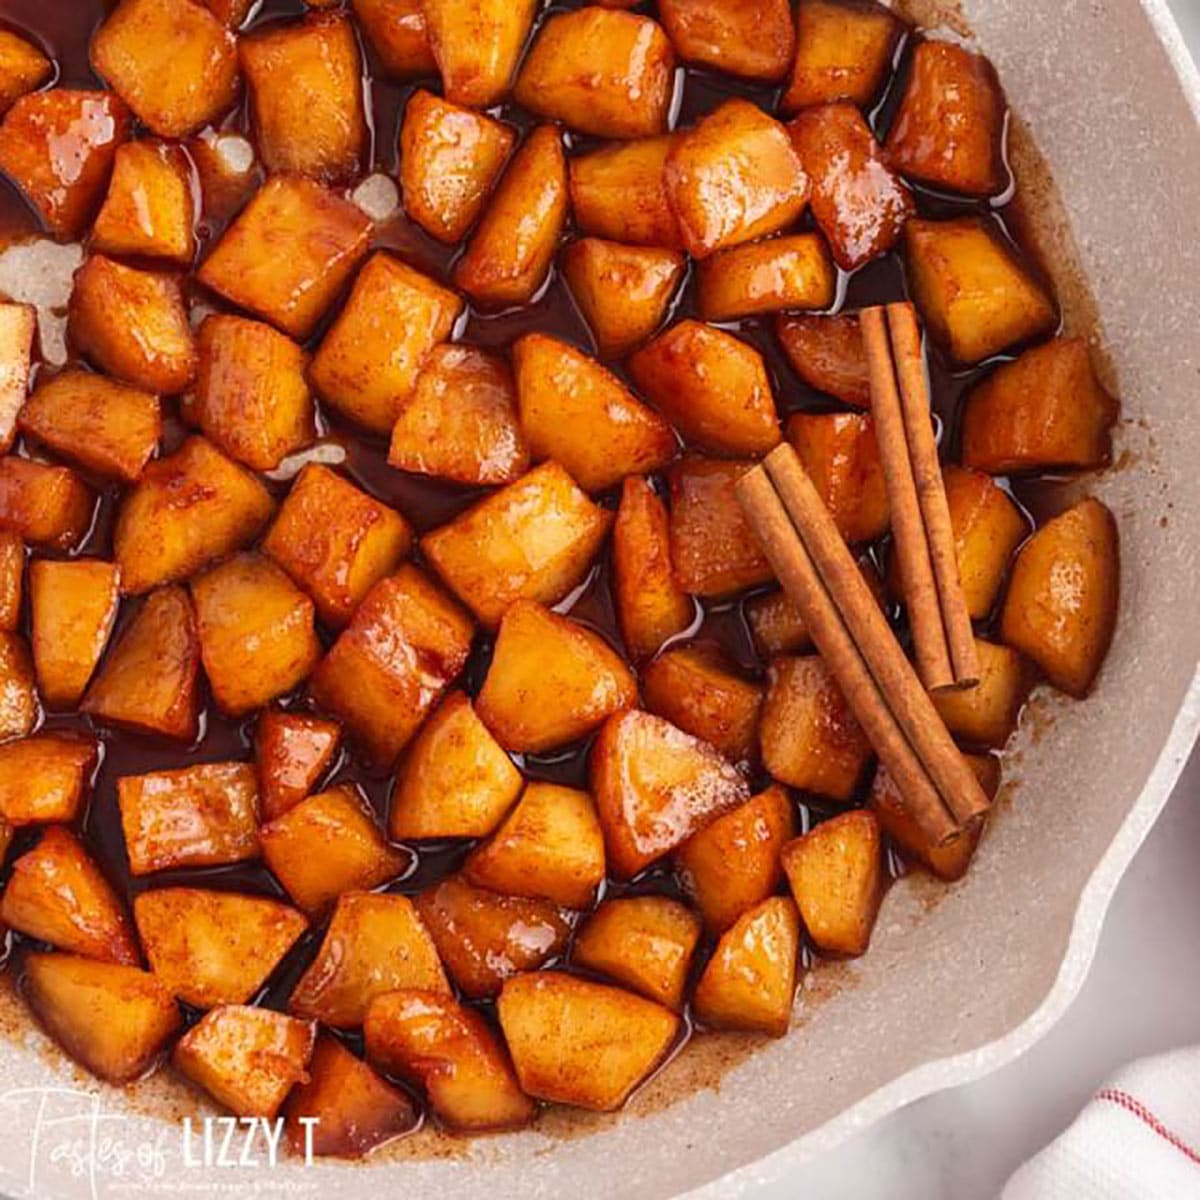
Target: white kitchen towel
x=1138, y=1139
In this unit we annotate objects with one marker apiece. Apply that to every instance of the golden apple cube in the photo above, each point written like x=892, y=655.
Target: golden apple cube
x=828, y=354
x=476, y=44
x=18, y=327
x=984, y=715
x=19, y=708
x=150, y=210
x=792, y=272
x=292, y=750
x=23, y=67
x=44, y=505
x=43, y=778
x=619, y=192
x=755, y=41
x=397, y=32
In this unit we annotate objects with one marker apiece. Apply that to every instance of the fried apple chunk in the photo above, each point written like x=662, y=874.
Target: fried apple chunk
x=484, y=938
x=326, y=845
x=841, y=456
x=509, y=255
x=293, y=750
x=734, y=177
x=713, y=550
x=23, y=67
x=1061, y=606
x=374, y=944
x=836, y=875
x=476, y=44
x=43, y=778
x=367, y=364
x=149, y=681
x=455, y=781
x=111, y=1018
x=12, y=570
x=289, y=253
x=582, y=1043
x=987, y=713
x=74, y=604
x=550, y=681
x=844, y=51
x=534, y=539
x=306, y=96
x=828, y=354
x=171, y=61
x=1046, y=411
x=712, y=386
x=645, y=943
x=577, y=413
x=550, y=847
x=450, y=157
x=257, y=638
x=599, y=71
x=809, y=736
x=149, y=210
x=461, y=422
x=57, y=894
x=793, y=272
x=335, y=541
x=247, y=1059
x=210, y=948
x=18, y=696
x=623, y=292
x=451, y=1052
x=651, y=606
x=43, y=504
x=400, y=652
x=188, y=509
x=696, y=688
x=857, y=202
x=133, y=325
x=755, y=41
x=58, y=147
x=101, y=425
x=18, y=328
x=199, y=816
x=973, y=293
x=949, y=128
x=396, y=31
x=655, y=786
x=619, y=192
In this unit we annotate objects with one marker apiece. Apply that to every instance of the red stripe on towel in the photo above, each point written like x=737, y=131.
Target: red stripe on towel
x=1133, y=1105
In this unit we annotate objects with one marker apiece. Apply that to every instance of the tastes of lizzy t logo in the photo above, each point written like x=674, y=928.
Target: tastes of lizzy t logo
x=240, y=1141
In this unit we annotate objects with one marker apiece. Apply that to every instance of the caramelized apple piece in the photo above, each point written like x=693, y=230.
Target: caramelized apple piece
x=857, y=202
x=534, y=539
x=347, y=1109
x=251, y=397
x=452, y=1053
x=461, y=421
x=199, y=816
x=476, y=44
x=43, y=778
x=449, y=159
x=374, y=944
x=45, y=505
x=326, y=845
x=149, y=681
x=713, y=549
x=712, y=386
x=655, y=786
x=396, y=31
x=403, y=647
x=74, y=604
x=57, y=894
x=189, y=508
x=732, y=178
x=18, y=327
x=211, y=948
x=508, y=257
x=484, y=938
x=949, y=128
x=750, y=981
x=150, y=209
x=582, y=1043
x=247, y=1059
x=58, y=147
x=112, y=1018
x=550, y=847
x=841, y=456
x=288, y=254
x=335, y=541
x=1044, y=412
x=793, y=272
x=171, y=61
x=810, y=739
x=620, y=192
x=754, y=41
x=643, y=942
x=293, y=750
x=367, y=364
x=987, y=713
x=836, y=876
x=1061, y=606
x=23, y=67
x=132, y=324
x=973, y=293
x=18, y=696
x=12, y=570
x=828, y=354
x=844, y=51
x=598, y=71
